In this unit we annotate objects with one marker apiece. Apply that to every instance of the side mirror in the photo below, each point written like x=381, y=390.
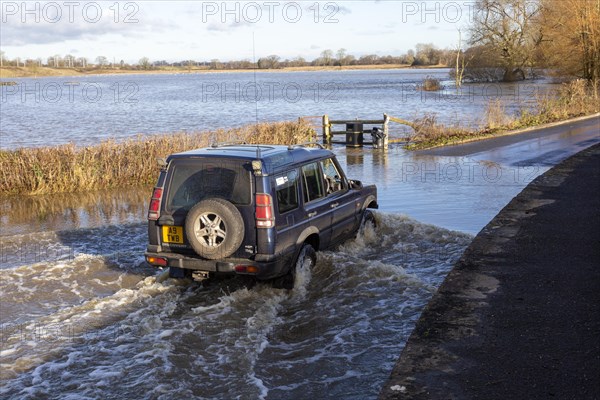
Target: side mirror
x=356, y=185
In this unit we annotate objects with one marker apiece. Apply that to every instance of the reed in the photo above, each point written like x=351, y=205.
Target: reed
x=112, y=164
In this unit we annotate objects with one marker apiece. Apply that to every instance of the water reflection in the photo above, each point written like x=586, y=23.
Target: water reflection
x=65, y=211
x=355, y=157
x=459, y=193
x=380, y=158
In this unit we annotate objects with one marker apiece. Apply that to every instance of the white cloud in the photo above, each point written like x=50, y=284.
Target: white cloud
x=178, y=30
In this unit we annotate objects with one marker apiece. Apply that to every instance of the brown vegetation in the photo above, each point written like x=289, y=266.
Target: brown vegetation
x=112, y=164
x=573, y=99
x=431, y=84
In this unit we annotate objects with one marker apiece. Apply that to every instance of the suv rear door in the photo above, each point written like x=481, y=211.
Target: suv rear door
x=341, y=199
x=195, y=179
x=289, y=215
x=317, y=209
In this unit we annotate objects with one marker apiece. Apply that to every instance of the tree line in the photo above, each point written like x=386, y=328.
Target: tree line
x=425, y=54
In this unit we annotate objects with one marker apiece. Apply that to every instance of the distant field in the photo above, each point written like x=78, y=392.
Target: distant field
x=29, y=72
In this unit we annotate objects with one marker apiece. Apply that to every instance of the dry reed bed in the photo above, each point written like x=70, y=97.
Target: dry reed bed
x=112, y=164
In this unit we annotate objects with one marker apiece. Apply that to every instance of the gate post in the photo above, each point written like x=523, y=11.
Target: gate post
x=326, y=130
x=386, y=121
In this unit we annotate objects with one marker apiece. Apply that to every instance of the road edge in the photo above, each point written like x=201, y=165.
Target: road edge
x=429, y=362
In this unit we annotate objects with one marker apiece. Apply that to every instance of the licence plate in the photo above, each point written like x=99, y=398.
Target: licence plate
x=172, y=234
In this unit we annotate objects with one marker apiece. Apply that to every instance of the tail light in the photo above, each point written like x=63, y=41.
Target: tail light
x=160, y=261
x=264, y=211
x=246, y=269
x=155, y=201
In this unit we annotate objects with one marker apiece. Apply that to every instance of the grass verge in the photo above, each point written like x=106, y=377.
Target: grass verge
x=112, y=164
x=573, y=99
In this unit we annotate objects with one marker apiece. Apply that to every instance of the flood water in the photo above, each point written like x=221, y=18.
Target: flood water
x=86, y=109
x=82, y=315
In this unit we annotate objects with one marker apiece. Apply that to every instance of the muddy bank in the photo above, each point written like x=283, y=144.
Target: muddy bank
x=519, y=315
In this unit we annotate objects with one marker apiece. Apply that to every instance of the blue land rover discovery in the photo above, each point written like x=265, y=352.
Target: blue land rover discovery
x=252, y=210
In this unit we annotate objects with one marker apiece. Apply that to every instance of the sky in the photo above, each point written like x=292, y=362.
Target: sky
x=225, y=30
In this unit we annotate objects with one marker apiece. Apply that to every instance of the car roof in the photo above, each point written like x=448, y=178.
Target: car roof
x=273, y=157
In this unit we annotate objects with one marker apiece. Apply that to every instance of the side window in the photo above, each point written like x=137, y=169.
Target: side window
x=312, y=182
x=286, y=187
x=331, y=177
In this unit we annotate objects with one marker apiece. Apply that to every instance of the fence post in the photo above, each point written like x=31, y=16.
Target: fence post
x=386, y=131
x=326, y=130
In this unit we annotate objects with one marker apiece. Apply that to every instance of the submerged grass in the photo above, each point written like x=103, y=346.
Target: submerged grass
x=573, y=99
x=112, y=164
x=431, y=84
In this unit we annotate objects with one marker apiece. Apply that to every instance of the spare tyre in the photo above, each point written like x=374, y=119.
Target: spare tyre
x=214, y=228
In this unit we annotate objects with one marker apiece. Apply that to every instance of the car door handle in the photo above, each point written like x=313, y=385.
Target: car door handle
x=334, y=205
x=312, y=214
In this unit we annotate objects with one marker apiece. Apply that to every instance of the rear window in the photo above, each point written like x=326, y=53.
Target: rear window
x=191, y=182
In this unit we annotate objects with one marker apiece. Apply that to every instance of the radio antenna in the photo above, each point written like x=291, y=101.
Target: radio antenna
x=255, y=94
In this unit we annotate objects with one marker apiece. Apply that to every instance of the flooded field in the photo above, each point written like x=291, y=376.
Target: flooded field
x=87, y=109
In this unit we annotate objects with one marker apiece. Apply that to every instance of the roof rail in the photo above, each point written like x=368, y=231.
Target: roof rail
x=293, y=146
x=230, y=143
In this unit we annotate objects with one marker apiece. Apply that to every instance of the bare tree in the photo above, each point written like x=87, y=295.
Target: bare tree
x=270, y=62
x=101, y=61
x=297, y=62
x=327, y=57
x=69, y=61
x=369, y=59
x=215, y=64
x=508, y=29
x=572, y=38
x=461, y=62
x=410, y=57
x=342, y=57
x=144, y=63
x=245, y=64
x=426, y=54
x=56, y=60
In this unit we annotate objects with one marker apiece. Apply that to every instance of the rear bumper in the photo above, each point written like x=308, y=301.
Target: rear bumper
x=272, y=268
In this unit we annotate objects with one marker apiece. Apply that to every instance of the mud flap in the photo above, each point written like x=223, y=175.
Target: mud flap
x=177, y=273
